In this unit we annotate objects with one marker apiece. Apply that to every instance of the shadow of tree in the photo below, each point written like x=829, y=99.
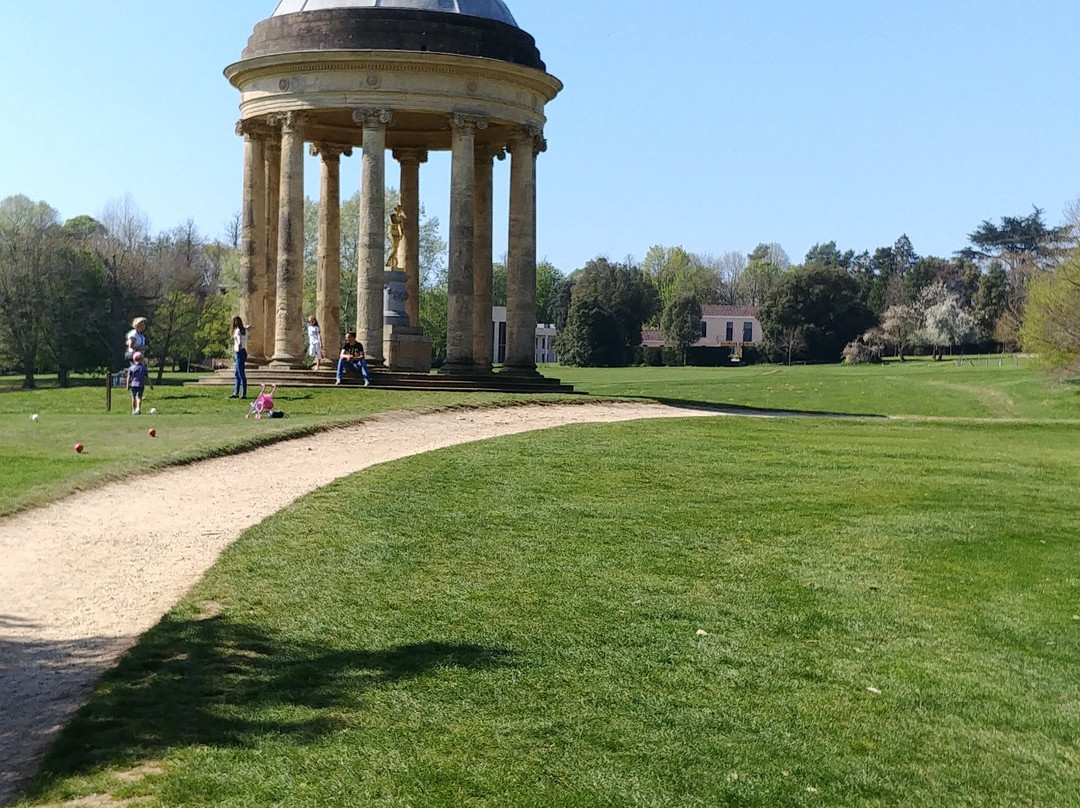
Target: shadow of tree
x=41, y=684
x=739, y=409
x=220, y=683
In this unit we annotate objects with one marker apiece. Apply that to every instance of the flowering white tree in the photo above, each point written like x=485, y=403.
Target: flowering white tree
x=945, y=321
x=900, y=327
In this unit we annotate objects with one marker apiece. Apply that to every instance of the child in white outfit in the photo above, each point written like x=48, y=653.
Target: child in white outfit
x=314, y=341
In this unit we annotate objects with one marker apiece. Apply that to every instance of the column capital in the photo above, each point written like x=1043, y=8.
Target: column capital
x=465, y=120
x=289, y=122
x=373, y=118
x=486, y=152
x=330, y=152
x=253, y=129
x=529, y=137
x=411, y=156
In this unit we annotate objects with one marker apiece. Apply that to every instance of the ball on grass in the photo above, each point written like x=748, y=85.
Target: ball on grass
x=34, y=417
x=152, y=433
x=78, y=447
x=153, y=410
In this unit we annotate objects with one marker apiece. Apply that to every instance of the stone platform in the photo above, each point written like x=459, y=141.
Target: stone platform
x=387, y=380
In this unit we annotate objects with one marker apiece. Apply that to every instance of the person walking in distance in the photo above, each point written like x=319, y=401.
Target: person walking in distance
x=136, y=382
x=239, y=335
x=352, y=358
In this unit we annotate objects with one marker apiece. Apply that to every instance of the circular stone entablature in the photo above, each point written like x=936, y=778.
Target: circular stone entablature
x=421, y=59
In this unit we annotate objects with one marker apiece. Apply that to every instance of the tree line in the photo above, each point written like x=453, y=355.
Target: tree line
x=1016, y=283
x=70, y=289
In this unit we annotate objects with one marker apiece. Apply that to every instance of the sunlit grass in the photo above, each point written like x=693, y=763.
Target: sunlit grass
x=191, y=423
x=981, y=387
x=693, y=613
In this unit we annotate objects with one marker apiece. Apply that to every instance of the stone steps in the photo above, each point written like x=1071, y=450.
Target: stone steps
x=387, y=380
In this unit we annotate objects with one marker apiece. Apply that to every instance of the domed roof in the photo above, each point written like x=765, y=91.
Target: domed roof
x=487, y=9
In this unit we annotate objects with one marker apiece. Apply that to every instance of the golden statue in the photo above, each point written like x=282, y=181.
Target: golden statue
x=396, y=258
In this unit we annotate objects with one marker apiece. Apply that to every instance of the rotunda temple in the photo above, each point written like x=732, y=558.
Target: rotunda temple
x=406, y=77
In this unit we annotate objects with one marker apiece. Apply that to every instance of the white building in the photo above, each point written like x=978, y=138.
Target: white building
x=544, y=349
x=721, y=327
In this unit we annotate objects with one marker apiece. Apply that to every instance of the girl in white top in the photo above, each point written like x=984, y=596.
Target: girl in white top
x=239, y=336
x=314, y=336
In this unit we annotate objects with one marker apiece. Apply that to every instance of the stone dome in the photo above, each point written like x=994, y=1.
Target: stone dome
x=476, y=28
x=487, y=9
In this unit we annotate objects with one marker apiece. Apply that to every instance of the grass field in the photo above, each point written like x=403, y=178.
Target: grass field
x=721, y=612
x=192, y=423
x=889, y=617
x=985, y=387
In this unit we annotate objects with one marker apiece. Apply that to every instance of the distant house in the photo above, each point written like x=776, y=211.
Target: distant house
x=731, y=327
x=545, y=338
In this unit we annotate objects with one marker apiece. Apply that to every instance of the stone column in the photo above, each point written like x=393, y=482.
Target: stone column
x=253, y=239
x=328, y=278
x=371, y=248
x=289, y=325
x=269, y=271
x=521, y=255
x=410, y=160
x=482, y=337
x=459, y=303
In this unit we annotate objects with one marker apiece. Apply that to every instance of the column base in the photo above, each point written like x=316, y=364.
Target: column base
x=521, y=371
x=286, y=363
x=459, y=369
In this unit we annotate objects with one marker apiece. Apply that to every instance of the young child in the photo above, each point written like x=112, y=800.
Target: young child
x=314, y=336
x=136, y=382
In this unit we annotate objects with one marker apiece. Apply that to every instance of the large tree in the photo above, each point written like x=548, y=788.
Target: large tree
x=1025, y=246
x=681, y=323
x=900, y=326
x=547, y=283
x=673, y=272
x=824, y=302
x=946, y=322
x=608, y=306
x=1052, y=322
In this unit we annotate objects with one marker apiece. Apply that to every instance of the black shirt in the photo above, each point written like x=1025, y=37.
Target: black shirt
x=356, y=350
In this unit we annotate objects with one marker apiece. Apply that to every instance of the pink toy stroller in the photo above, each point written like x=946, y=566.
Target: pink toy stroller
x=263, y=403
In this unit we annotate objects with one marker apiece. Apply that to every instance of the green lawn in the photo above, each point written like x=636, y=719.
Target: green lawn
x=988, y=387
x=192, y=423
x=721, y=612
x=196, y=422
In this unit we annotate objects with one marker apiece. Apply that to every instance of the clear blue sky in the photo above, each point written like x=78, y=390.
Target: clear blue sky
x=711, y=124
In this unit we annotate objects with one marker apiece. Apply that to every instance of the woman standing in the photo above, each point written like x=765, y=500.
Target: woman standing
x=239, y=336
x=314, y=336
x=135, y=339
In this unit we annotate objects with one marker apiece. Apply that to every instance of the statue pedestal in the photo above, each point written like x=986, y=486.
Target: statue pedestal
x=407, y=349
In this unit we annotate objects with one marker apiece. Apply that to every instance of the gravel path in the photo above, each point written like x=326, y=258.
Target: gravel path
x=83, y=578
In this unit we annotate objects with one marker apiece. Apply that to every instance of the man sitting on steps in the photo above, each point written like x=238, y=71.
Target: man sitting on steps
x=352, y=357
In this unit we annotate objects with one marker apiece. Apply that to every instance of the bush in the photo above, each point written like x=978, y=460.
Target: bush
x=858, y=352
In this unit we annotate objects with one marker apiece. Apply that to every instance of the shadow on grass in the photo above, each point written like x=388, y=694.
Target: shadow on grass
x=739, y=409
x=41, y=683
x=214, y=682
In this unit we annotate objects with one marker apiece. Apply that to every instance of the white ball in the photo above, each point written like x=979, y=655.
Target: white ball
x=153, y=410
x=34, y=417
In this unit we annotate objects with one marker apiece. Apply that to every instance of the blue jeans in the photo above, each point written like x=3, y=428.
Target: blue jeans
x=356, y=365
x=240, y=374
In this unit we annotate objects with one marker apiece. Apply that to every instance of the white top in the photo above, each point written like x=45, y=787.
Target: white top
x=239, y=340
x=313, y=335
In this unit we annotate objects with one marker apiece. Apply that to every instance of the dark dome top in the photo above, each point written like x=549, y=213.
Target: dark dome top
x=481, y=28
x=488, y=9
